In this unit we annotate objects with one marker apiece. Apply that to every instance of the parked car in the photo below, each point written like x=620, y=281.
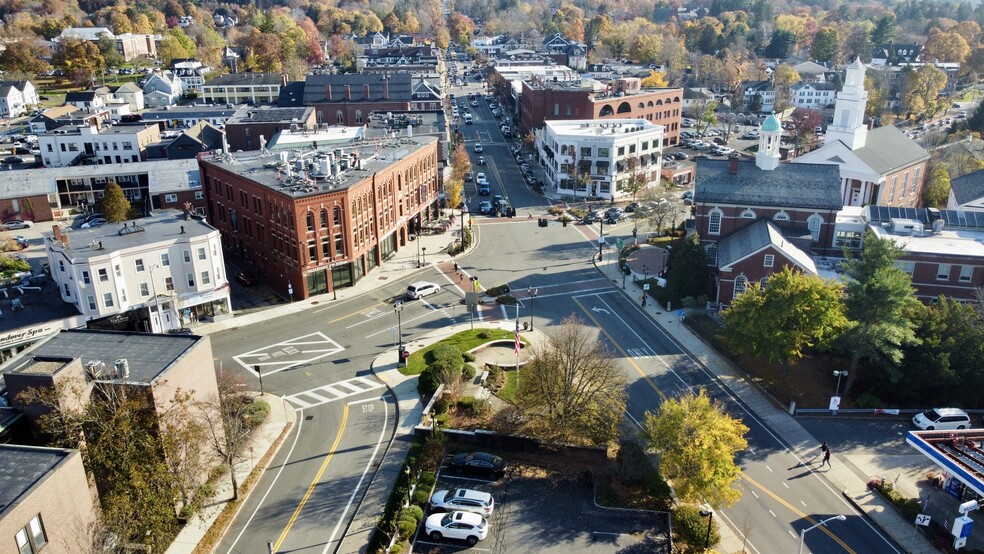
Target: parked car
x=464, y=500
x=469, y=177
x=632, y=207
x=13, y=160
x=21, y=241
x=478, y=463
x=942, y=419
x=95, y=222
x=591, y=217
x=681, y=155
x=11, y=224
x=246, y=279
x=457, y=525
x=421, y=289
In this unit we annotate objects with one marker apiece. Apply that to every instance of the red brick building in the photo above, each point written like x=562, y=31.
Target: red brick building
x=249, y=123
x=311, y=223
x=348, y=99
x=621, y=99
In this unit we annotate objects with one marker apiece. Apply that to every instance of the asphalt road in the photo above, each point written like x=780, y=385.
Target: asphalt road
x=320, y=360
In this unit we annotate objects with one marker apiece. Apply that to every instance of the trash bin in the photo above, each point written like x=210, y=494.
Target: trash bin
x=542, y=222
x=403, y=355
x=564, y=221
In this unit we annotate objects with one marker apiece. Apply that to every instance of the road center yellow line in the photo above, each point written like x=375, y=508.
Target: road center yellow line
x=314, y=482
x=797, y=512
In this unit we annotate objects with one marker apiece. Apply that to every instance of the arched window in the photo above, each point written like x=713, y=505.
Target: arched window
x=781, y=216
x=337, y=217
x=764, y=281
x=324, y=219
x=741, y=285
x=310, y=221
x=676, y=99
x=358, y=116
x=714, y=221
x=606, y=110
x=711, y=253
x=339, y=117
x=813, y=224
x=641, y=105
x=650, y=104
x=624, y=107
x=659, y=102
x=748, y=214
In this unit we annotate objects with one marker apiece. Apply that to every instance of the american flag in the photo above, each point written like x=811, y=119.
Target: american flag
x=517, y=329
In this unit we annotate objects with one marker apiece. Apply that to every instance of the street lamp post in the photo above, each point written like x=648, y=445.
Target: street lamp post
x=839, y=374
x=532, y=292
x=707, y=511
x=601, y=238
x=839, y=517
x=398, y=308
x=290, y=291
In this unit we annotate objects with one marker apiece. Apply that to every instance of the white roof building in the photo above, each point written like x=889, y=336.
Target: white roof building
x=610, y=152
x=168, y=263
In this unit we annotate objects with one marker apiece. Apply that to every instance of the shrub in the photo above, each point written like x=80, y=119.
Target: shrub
x=691, y=527
x=485, y=334
x=468, y=372
x=430, y=458
x=506, y=299
x=495, y=373
x=427, y=478
x=442, y=404
x=498, y=291
x=397, y=549
x=421, y=497
x=406, y=528
x=428, y=382
x=442, y=419
x=556, y=210
x=447, y=356
x=416, y=513
x=474, y=406
x=868, y=400
x=468, y=356
x=256, y=413
x=632, y=462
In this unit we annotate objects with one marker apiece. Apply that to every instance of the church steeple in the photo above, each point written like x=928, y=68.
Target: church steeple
x=848, y=126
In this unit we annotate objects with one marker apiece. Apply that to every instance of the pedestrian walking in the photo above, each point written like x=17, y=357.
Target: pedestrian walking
x=456, y=267
x=826, y=458
x=461, y=278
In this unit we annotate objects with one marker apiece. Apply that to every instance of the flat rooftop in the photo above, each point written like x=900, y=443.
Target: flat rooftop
x=148, y=355
x=609, y=127
x=164, y=226
x=267, y=114
x=106, y=130
x=23, y=467
x=318, y=169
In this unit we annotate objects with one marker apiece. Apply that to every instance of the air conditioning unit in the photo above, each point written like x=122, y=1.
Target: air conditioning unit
x=122, y=367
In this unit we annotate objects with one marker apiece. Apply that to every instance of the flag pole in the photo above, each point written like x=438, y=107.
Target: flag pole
x=517, y=348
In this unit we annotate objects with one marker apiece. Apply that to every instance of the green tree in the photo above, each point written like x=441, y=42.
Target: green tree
x=826, y=45
x=573, y=390
x=937, y=191
x=780, y=321
x=107, y=47
x=687, y=273
x=115, y=206
x=781, y=42
x=25, y=56
x=879, y=298
x=697, y=442
x=884, y=30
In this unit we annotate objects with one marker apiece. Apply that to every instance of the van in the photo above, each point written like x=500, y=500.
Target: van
x=484, y=189
x=468, y=119
x=942, y=419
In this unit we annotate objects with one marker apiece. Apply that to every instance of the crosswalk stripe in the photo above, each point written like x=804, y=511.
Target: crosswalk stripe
x=330, y=393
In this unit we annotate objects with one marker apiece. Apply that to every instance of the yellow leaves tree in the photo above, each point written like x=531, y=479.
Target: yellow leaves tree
x=656, y=79
x=697, y=442
x=945, y=46
x=460, y=163
x=921, y=91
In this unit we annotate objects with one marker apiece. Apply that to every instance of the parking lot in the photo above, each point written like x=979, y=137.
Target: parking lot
x=537, y=510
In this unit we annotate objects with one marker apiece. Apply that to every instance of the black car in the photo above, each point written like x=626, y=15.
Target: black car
x=478, y=463
x=680, y=155
x=13, y=160
x=632, y=207
x=591, y=217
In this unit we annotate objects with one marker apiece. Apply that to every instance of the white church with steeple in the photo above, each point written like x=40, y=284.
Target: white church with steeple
x=879, y=166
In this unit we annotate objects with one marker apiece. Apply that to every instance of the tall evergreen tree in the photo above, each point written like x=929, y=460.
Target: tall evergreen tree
x=115, y=206
x=687, y=270
x=879, y=300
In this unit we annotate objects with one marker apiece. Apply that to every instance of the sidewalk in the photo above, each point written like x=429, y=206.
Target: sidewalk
x=802, y=443
x=279, y=422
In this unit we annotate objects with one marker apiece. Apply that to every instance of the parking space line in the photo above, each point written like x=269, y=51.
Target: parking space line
x=472, y=548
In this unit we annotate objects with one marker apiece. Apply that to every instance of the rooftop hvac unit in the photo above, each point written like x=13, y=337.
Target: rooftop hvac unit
x=122, y=366
x=95, y=369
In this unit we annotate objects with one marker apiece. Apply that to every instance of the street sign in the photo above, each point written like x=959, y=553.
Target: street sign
x=835, y=403
x=923, y=520
x=601, y=239
x=645, y=286
x=619, y=244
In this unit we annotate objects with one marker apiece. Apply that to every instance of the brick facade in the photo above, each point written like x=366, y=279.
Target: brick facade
x=659, y=106
x=316, y=242
x=732, y=220
x=753, y=269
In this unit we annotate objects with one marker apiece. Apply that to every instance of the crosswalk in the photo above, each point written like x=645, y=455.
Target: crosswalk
x=330, y=393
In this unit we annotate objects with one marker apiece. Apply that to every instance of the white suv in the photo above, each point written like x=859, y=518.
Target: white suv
x=457, y=525
x=942, y=419
x=464, y=500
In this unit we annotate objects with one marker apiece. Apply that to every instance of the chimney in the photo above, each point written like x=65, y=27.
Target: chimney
x=283, y=79
x=365, y=91
x=733, y=169
x=328, y=92
x=56, y=230
x=348, y=92
x=64, y=239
